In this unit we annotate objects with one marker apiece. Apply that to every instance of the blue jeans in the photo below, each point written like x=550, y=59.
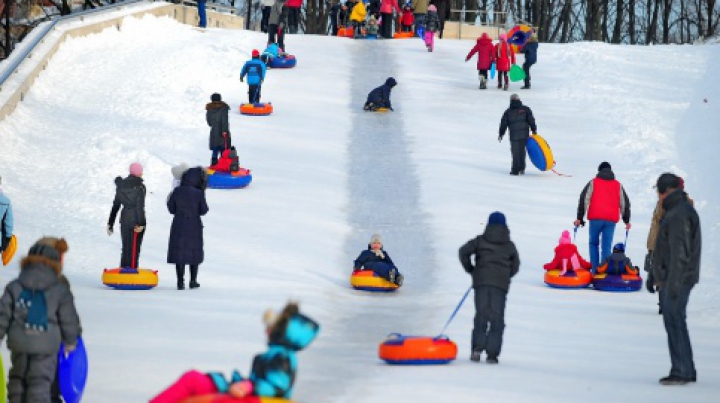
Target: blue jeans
x=201, y=14
x=598, y=229
x=674, y=315
x=216, y=152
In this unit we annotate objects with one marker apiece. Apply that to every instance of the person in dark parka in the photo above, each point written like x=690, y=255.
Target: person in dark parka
x=37, y=313
x=380, y=96
x=216, y=116
x=676, y=270
x=519, y=119
x=530, y=50
x=187, y=203
x=130, y=195
x=443, y=11
x=496, y=262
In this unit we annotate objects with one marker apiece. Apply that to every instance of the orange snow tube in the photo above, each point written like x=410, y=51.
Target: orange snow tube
x=403, y=35
x=259, y=109
x=572, y=279
x=417, y=350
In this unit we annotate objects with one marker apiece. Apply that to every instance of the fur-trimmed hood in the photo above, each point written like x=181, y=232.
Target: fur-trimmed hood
x=216, y=105
x=39, y=273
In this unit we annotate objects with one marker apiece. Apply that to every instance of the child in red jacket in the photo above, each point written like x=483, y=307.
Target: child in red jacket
x=484, y=49
x=567, y=257
x=504, y=58
x=407, y=19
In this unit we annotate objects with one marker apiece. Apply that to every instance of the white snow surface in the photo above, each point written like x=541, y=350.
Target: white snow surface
x=138, y=94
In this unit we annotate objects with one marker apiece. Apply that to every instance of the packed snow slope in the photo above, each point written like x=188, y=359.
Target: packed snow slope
x=327, y=175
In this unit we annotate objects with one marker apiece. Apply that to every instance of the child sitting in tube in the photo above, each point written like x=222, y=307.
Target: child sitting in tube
x=567, y=257
x=375, y=258
x=273, y=372
x=617, y=263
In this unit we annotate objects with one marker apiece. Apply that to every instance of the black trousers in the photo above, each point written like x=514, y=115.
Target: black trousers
x=276, y=35
x=254, y=93
x=265, y=18
x=386, y=26
x=517, y=148
x=293, y=19
x=526, y=69
x=127, y=233
x=674, y=309
x=489, y=323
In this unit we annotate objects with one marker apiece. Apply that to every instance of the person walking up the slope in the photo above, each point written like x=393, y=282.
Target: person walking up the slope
x=386, y=16
x=266, y=7
x=530, y=50
x=420, y=8
x=130, y=194
x=496, y=262
x=6, y=220
x=216, y=115
x=519, y=119
x=357, y=18
x=485, y=51
x=254, y=69
x=676, y=270
x=432, y=22
x=605, y=201
x=504, y=57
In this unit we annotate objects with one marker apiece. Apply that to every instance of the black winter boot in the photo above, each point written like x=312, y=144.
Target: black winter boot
x=213, y=161
x=180, y=272
x=193, y=276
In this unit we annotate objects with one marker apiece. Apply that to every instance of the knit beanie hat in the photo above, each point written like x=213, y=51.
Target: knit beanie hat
x=604, y=165
x=565, y=238
x=432, y=7
x=497, y=218
x=136, y=169
x=619, y=248
x=179, y=170
x=503, y=37
x=681, y=183
x=255, y=53
x=46, y=250
x=215, y=97
x=376, y=238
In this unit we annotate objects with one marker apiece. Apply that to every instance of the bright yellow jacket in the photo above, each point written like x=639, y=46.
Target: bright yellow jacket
x=358, y=12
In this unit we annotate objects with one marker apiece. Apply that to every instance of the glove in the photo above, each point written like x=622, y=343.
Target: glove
x=69, y=349
x=650, y=284
x=579, y=223
x=282, y=26
x=628, y=226
x=500, y=138
x=241, y=80
x=241, y=389
x=139, y=228
x=109, y=230
x=535, y=133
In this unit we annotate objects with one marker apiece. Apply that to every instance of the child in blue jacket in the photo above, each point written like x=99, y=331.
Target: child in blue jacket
x=375, y=258
x=254, y=69
x=273, y=372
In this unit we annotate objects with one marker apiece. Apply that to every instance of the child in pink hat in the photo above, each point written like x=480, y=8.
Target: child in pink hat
x=567, y=256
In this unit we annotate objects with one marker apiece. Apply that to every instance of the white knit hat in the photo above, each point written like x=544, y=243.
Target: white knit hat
x=376, y=238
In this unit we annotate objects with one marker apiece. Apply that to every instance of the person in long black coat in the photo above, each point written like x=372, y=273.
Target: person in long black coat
x=217, y=118
x=187, y=203
x=130, y=195
x=443, y=11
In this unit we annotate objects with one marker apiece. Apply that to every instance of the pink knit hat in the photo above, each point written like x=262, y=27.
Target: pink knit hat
x=136, y=169
x=565, y=238
x=503, y=37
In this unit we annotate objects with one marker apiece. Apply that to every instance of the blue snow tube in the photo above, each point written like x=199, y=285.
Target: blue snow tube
x=283, y=62
x=617, y=282
x=226, y=180
x=539, y=152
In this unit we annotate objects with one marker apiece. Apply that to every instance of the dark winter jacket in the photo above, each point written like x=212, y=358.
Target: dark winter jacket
x=676, y=259
x=617, y=263
x=530, y=50
x=381, y=95
x=130, y=194
x=368, y=259
x=519, y=119
x=443, y=9
x=187, y=203
x=278, y=14
x=604, y=198
x=217, y=118
x=496, y=258
x=39, y=274
x=432, y=21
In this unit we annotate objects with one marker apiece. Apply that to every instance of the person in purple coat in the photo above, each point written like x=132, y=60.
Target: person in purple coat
x=187, y=203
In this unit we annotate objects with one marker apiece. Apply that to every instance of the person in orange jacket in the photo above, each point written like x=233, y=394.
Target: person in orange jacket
x=504, y=57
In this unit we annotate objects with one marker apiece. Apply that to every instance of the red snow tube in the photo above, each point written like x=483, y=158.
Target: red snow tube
x=417, y=350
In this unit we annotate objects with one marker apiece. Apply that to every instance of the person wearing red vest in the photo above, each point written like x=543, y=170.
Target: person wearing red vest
x=504, y=57
x=605, y=202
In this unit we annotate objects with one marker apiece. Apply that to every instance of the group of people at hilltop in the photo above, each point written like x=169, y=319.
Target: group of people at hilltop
x=378, y=16
x=503, y=56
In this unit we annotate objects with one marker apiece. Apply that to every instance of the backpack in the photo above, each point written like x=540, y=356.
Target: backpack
x=36, y=319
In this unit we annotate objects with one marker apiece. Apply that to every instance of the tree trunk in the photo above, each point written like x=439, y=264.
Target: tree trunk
x=652, y=28
x=667, y=7
x=631, y=21
x=619, y=17
x=710, y=25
